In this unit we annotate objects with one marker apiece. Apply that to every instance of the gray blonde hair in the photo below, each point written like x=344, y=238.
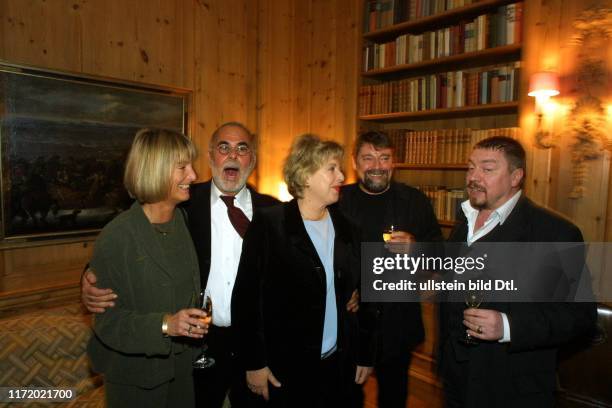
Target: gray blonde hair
x=152, y=157
x=308, y=154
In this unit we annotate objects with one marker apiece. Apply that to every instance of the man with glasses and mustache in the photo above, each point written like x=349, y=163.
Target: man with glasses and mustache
x=376, y=203
x=221, y=208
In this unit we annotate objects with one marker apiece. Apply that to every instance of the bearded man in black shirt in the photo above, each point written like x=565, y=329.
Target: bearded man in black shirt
x=376, y=203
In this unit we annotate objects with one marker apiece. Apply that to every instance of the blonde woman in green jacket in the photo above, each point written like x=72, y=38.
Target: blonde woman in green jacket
x=146, y=255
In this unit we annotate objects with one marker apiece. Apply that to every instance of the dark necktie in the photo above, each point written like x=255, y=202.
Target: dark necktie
x=236, y=216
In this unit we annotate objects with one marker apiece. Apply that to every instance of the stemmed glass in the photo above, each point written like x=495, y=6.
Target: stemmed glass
x=205, y=361
x=473, y=299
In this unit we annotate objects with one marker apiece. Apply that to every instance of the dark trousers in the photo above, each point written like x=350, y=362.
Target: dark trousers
x=392, y=378
x=213, y=384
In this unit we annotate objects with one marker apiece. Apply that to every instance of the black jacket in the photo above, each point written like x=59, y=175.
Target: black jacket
x=521, y=372
x=278, y=304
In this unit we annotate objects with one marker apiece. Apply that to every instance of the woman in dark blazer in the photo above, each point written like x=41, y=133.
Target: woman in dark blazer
x=146, y=255
x=299, y=267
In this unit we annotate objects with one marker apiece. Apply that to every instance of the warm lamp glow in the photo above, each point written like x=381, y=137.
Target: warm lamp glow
x=543, y=85
x=283, y=193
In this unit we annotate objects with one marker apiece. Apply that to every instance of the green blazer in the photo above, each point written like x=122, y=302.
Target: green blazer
x=128, y=345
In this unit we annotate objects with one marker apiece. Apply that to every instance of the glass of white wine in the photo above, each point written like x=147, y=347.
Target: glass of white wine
x=388, y=233
x=205, y=361
x=473, y=299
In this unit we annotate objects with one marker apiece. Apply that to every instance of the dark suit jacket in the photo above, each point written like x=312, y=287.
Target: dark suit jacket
x=401, y=324
x=278, y=304
x=522, y=372
x=198, y=211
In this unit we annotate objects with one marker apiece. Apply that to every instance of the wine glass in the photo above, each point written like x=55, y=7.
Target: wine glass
x=473, y=299
x=388, y=232
x=205, y=361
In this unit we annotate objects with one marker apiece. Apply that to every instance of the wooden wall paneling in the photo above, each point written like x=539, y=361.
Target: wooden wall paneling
x=346, y=75
x=140, y=41
x=252, y=68
x=539, y=50
x=41, y=33
x=275, y=48
x=324, y=67
x=302, y=67
x=235, y=68
x=225, y=69
x=206, y=53
x=43, y=266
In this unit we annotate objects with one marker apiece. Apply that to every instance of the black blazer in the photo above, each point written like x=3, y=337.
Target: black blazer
x=278, y=304
x=198, y=214
x=401, y=323
x=522, y=372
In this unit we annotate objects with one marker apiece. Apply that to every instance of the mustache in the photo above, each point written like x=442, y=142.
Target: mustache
x=231, y=164
x=475, y=186
x=377, y=172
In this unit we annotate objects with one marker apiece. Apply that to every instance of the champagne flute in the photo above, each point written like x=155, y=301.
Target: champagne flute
x=205, y=361
x=473, y=299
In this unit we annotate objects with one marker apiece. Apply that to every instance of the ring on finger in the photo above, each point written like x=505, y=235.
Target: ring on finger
x=479, y=330
x=189, y=329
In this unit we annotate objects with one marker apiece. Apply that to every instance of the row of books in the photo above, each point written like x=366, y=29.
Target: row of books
x=456, y=89
x=383, y=13
x=445, y=202
x=441, y=146
x=485, y=31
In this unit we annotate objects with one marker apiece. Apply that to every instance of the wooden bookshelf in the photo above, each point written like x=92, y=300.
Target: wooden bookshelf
x=478, y=110
x=409, y=166
x=435, y=21
x=480, y=118
x=490, y=55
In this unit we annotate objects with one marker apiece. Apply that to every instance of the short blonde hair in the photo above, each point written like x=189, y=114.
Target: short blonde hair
x=308, y=154
x=152, y=157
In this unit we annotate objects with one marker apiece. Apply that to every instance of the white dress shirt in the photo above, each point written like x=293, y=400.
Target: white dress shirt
x=497, y=217
x=225, y=250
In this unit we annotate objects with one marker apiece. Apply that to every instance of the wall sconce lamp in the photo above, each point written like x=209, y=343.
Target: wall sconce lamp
x=543, y=85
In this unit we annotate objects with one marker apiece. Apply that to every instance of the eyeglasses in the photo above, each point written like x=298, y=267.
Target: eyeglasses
x=241, y=150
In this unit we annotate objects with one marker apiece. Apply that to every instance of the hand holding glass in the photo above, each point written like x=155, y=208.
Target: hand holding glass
x=205, y=361
x=473, y=299
x=388, y=233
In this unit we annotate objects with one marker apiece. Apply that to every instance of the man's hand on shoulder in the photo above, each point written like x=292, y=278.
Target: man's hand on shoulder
x=95, y=300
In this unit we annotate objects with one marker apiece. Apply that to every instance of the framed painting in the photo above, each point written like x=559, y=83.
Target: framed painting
x=63, y=143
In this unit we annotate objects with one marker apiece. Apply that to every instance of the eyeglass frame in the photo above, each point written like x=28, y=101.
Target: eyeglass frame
x=233, y=149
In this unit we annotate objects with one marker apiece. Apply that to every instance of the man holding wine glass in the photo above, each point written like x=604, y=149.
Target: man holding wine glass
x=511, y=361
x=398, y=215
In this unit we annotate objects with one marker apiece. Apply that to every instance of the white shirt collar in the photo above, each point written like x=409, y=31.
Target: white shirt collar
x=242, y=197
x=502, y=213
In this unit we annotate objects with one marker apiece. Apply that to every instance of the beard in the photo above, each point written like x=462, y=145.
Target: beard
x=375, y=186
x=475, y=201
x=232, y=186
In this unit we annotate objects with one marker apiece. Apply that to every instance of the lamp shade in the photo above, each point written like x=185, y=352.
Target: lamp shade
x=544, y=83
